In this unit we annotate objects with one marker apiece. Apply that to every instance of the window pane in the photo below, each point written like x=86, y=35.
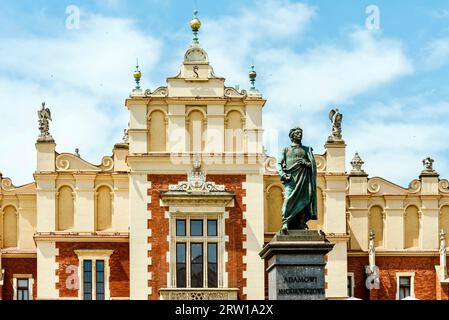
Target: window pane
x=181, y=228
x=212, y=272
x=22, y=283
x=181, y=265
x=196, y=227
x=87, y=279
x=405, y=281
x=196, y=267
x=404, y=287
x=212, y=228
x=99, y=293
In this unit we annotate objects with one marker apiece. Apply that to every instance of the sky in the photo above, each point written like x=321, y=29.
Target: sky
x=384, y=64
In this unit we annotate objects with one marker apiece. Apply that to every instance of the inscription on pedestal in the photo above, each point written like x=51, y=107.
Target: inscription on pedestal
x=297, y=283
x=296, y=266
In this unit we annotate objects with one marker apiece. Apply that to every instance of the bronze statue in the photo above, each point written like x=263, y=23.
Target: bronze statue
x=297, y=169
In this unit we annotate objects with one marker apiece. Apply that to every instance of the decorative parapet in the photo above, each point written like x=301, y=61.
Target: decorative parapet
x=443, y=186
x=70, y=162
x=161, y=92
x=231, y=92
x=198, y=294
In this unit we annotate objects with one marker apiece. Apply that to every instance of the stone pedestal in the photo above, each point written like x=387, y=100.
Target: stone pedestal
x=296, y=265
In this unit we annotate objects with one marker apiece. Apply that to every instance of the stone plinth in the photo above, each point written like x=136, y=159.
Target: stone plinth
x=296, y=265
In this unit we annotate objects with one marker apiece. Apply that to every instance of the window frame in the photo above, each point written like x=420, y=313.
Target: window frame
x=94, y=256
x=219, y=240
x=16, y=278
x=410, y=275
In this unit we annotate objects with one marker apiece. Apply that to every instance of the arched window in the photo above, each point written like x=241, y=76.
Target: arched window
x=444, y=222
x=275, y=199
x=196, y=131
x=318, y=224
x=376, y=223
x=65, y=207
x=10, y=227
x=157, y=141
x=411, y=227
x=103, y=209
x=234, y=132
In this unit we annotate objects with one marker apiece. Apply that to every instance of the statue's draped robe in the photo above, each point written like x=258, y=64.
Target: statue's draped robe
x=300, y=191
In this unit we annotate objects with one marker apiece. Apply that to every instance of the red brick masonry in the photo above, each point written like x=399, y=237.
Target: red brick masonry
x=160, y=230
x=17, y=266
x=118, y=266
x=426, y=284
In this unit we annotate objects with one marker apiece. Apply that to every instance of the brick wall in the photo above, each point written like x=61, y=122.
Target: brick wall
x=17, y=266
x=159, y=226
x=426, y=285
x=118, y=266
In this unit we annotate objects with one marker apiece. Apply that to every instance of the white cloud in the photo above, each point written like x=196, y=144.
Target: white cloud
x=84, y=76
x=393, y=138
x=233, y=41
x=436, y=53
x=329, y=74
x=314, y=79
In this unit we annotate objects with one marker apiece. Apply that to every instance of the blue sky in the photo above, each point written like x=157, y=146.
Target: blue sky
x=391, y=84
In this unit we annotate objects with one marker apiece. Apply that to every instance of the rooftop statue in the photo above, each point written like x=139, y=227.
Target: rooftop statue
x=44, y=116
x=336, y=119
x=297, y=169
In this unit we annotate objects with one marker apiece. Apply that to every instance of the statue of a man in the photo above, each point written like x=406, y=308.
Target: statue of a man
x=297, y=169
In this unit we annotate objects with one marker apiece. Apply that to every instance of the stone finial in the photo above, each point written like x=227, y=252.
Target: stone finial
x=336, y=119
x=357, y=164
x=44, y=116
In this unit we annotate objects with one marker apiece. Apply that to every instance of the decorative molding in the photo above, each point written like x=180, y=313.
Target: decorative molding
x=373, y=187
x=231, y=92
x=7, y=184
x=196, y=181
x=67, y=162
x=320, y=162
x=196, y=54
x=161, y=92
x=414, y=186
x=443, y=186
x=198, y=294
x=270, y=166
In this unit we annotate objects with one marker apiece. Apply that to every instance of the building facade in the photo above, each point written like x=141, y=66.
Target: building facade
x=183, y=206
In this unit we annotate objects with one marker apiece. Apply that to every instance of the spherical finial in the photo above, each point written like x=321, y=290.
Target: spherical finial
x=195, y=23
x=137, y=75
x=252, y=74
x=252, y=77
